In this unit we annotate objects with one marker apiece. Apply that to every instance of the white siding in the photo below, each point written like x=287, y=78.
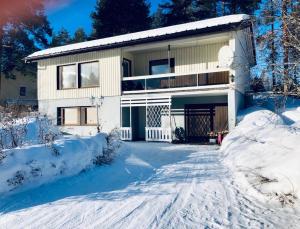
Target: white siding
x=109, y=71
x=187, y=59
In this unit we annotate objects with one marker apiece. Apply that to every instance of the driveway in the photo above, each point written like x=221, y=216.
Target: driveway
x=149, y=185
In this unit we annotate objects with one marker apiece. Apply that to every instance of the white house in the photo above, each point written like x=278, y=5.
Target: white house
x=191, y=75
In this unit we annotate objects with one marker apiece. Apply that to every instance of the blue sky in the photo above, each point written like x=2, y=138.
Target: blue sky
x=72, y=14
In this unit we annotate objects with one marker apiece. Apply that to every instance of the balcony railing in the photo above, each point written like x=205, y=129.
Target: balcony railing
x=173, y=80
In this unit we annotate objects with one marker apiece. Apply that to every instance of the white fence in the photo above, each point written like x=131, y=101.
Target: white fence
x=126, y=133
x=158, y=134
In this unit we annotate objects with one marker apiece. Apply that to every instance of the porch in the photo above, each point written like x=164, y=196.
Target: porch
x=162, y=118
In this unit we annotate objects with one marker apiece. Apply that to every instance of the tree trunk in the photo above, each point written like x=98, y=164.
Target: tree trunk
x=273, y=45
x=1, y=57
x=285, y=46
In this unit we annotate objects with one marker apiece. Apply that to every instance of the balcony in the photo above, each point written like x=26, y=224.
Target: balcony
x=173, y=81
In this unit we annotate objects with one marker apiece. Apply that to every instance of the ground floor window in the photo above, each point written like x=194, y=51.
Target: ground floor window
x=77, y=116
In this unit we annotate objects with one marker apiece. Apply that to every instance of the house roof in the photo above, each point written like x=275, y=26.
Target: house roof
x=219, y=24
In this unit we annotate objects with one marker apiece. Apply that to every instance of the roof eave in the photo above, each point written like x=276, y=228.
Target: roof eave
x=208, y=30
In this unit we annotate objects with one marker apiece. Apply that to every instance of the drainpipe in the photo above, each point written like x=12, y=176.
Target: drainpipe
x=169, y=63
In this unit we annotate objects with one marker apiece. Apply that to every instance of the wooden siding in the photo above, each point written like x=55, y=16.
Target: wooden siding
x=109, y=73
x=10, y=88
x=187, y=59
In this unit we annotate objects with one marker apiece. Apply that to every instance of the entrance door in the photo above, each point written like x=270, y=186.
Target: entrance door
x=201, y=119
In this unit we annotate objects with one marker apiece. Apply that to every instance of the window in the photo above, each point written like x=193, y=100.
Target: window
x=89, y=74
x=126, y=68
x=161, y=66
x=71, y=116
x=91, y=116
x=22, y=91
x=67, y=77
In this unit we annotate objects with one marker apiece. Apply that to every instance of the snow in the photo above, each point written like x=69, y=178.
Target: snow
x=142, y=35
x=161, y=185
x=33, y=163
x=262, y=145
x=149, y=185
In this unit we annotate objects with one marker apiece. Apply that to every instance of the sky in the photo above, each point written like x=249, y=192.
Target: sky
x=72, y=14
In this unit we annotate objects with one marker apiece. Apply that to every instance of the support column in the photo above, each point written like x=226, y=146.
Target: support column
x=146, y=134
x=232, y=109
x=170, y=118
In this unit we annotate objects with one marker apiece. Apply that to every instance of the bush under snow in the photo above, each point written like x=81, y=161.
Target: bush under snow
x=266, y=151
x=40, y=159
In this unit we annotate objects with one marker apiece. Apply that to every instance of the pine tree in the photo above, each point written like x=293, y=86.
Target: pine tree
x=178, y=11
x=79, y=36
x=158, y=18
x=268, y=38
x=62, y=37
x=24, y=29
x=115, y=17
x=206, y=9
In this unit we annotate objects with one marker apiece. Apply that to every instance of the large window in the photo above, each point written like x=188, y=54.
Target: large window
x=89, y=74
x=161, y=66
x=75, y=116
x=67, y=77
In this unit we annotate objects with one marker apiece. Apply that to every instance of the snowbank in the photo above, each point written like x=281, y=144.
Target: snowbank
x=265, y=151
x=34, y=163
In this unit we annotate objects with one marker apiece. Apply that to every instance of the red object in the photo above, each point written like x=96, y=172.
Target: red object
x=220, y=138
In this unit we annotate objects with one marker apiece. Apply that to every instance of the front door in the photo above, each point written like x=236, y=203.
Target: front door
x=201, y=119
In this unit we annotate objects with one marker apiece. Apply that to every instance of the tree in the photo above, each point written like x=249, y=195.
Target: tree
x=267, y=37
x=158, y=19
x=62, y=37
x=79, y=36
x=178, y=11
x=115, y=17
x=24, y=29
x=206, y=9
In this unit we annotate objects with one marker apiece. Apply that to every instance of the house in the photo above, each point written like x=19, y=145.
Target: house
x=20, y=90
x=191, y=76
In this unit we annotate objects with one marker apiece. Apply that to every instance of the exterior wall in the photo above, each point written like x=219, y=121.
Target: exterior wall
x=242, y=60
x=10, y=88
x=109, y=72
x=187, y=59
x=109, y=113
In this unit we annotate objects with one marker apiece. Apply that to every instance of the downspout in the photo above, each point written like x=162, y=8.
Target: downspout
x=169, y=63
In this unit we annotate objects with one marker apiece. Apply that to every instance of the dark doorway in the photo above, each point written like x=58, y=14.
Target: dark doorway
x=201, y=119
x=138, y=123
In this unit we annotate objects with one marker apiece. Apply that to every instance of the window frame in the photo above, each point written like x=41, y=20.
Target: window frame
x=160, y=62
x=79, y=85
x=130, y=67
x=82, y=116
x=59, y=78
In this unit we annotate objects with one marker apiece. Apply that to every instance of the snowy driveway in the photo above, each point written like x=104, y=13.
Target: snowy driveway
x=150, y=185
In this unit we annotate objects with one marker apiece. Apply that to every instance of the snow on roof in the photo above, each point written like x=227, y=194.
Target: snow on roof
x=197, y=25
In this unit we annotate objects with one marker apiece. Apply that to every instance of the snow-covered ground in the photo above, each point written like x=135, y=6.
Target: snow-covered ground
x=265, y=150
x=149, y=185
x=35, y=162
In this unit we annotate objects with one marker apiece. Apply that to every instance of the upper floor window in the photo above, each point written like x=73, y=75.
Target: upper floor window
x=89, y=74
x=67, y=76
x=161, y=66
x=126, y=67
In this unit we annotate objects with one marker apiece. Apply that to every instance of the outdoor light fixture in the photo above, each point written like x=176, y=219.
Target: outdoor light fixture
x=232, y=78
